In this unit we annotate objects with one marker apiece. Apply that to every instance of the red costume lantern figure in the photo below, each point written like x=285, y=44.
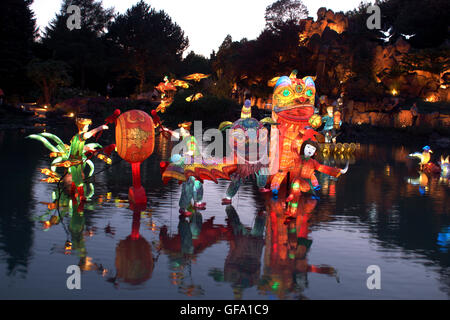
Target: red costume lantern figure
x=293, y=105
x=305, y=180
x=135, y=141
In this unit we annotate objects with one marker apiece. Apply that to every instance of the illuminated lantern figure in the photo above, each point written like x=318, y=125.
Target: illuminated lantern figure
x=305, y=180
x=292, y=107
x=74, y=157
x=246, y=109
x=315, y=121
x=248, y=140
x=332, y=123
x=445, y=167
x=135, y=141
x=76, y=152
x=196, y=77
x=424, y=156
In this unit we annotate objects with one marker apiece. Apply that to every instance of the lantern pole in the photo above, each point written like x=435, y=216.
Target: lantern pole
x=136, y=224
x=136, y=193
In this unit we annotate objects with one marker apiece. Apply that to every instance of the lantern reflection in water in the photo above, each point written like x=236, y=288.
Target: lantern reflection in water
x=134, y=258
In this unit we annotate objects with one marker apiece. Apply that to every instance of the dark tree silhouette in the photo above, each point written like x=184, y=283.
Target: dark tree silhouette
x=17, y=32
x=82, y=49
x=149, y=41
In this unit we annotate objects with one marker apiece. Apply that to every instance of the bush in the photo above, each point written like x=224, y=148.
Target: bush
x=100, y=107
x=210, y=109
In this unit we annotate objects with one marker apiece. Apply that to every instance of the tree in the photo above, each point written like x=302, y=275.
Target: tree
x=48, y=75
x=285, y=11
x=17, y=32
x=82, y=49
x=195, y=63
x=149, y=41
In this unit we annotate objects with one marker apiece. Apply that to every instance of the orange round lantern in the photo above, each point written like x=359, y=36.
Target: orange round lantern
x=135, y=136
x=135, y=141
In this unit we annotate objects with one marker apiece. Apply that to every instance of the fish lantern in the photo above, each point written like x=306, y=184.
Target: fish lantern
x=135, y=142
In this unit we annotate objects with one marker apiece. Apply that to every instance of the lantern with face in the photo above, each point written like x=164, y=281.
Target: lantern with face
x=293, y=106
x=135, y=141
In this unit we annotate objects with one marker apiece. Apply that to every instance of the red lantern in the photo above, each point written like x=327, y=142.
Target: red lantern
x=135, y=141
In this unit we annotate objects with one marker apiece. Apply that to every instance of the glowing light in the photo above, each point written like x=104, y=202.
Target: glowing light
x=394, y=92
x=432, y=98
x=196, y=77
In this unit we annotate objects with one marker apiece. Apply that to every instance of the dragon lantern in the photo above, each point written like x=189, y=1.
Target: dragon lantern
x=292, y=107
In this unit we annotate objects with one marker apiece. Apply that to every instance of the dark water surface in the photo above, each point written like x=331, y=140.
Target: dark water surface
x=370, y=216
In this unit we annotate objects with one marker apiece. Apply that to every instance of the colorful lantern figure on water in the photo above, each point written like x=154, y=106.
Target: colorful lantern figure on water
x=305, y=179
x=194, y=97
x=246, y=111
x=332, y=123
x=292, y=108
x=192, y=185
x=196, y=77
x=166, y=86
x=286, y=265
x=165, y=103
x=445, y=167
x=135, y=142
x=425, y=164
x=74, y=157
x=424, y=156
x=181, y=83
x=248, y=140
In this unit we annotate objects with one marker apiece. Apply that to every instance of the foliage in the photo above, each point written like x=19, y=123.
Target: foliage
x=17, y=33
x=149, y=41
x=194, y=63
x=100, y=107
x=285, y=11
x=432, y=60
x=211, y=110
x=48, y=75
x=82, y=49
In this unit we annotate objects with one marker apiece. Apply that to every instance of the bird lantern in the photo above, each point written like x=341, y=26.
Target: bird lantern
x=135, y=142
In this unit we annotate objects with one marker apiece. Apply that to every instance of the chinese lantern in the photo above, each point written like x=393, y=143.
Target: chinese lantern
x=135, y=142
x=315, y=121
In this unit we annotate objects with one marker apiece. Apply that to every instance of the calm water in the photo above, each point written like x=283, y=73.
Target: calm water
x=370, y=216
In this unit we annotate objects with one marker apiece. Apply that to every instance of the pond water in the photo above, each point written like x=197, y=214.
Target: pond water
x=373, y=215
